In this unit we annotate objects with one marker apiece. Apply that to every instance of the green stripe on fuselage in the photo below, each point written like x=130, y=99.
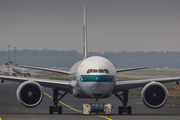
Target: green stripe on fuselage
x=97, y=78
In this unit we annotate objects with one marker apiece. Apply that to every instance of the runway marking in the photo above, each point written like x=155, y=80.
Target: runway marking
x=64, y=103
x=75, y=109
x=139, y=102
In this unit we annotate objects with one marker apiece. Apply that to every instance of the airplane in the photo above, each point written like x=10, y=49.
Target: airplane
x=17, y=70
x=21, y=71
x=92, y=77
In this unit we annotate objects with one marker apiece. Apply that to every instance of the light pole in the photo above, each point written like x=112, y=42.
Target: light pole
x=8, y=56
x=14, y=56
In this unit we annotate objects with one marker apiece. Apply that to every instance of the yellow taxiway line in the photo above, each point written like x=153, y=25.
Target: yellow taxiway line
x=75, y=109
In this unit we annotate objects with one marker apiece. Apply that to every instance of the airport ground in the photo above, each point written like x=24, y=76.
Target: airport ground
x=11, y=109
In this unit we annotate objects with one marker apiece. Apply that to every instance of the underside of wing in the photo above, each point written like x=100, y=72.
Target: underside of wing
x=55, y=84
x=47, y=69
x=130, y=84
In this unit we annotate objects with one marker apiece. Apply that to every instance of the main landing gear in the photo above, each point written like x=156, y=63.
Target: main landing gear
x=124, y=99
x=55, y=107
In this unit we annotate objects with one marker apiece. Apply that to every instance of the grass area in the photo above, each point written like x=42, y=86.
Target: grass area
x=154, y=72
x=174, y=93
x=62, y=77
x=135, y=92
x=124, y=78
x=173, y=102
x=57, y=77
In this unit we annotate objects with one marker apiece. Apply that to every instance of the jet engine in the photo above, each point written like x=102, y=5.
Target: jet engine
x=29, y=93
x=154, y=95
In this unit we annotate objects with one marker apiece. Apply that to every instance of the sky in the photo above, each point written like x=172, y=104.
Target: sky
x=112, y=25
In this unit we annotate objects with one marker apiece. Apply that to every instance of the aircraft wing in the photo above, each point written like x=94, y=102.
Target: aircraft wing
x=130, y=69
x=47, y=69
x=55, y=84
x=130, y=84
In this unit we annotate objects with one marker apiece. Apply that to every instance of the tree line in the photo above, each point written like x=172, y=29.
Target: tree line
x=54, y=58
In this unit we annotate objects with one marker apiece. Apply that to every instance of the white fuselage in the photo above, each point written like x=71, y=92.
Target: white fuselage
x=93, y=76
x=19, y=70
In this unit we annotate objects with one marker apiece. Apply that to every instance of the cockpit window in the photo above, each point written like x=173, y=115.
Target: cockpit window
x=98, y=71
x=95, y=71
x=89, y=71
x=101, y=71
x=106, y=70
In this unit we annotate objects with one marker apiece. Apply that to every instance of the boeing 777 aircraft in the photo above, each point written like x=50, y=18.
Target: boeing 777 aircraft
x=21, y=71
x=15, y=70
x=92, y=77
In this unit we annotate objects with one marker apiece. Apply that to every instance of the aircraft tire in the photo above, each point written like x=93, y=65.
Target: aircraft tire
x=51, y=110
x=60, y=110
x=120, y=110
x=129, y=111
x=25, y=75
x=14, y=74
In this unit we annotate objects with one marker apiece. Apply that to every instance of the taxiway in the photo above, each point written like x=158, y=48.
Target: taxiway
x=11, y=109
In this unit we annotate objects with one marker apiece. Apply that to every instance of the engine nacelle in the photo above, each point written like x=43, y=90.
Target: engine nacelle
x=29, y=93
x=154, y=95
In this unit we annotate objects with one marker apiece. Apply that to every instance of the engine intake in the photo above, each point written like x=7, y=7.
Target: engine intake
x=29, y=93
x=154, y=95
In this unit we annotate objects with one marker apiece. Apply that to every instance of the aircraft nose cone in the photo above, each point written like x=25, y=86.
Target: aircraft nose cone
x=96, y=84
x=97, y=89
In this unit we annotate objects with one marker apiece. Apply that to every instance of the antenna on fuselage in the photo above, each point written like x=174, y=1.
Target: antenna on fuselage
x=85, y=35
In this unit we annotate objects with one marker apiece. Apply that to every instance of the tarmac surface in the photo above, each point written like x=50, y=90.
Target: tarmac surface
x=11, y=109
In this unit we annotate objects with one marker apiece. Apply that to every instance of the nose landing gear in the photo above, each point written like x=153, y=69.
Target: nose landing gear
x=97, y=96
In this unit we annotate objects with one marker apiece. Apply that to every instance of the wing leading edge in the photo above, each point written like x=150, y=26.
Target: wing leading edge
x=130, y=69
x=47, y=69
x=130, y=84
x=55, y=84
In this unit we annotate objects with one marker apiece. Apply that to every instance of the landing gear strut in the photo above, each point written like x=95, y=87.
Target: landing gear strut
x=97, y=96
x=55, y=107
x=124, y=99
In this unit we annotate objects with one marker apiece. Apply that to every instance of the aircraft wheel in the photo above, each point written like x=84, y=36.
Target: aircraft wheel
x=25, y=75
x=51, y=110
x=60, y=110
x=129, y=111
x=120, y=110
x=14, y=74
